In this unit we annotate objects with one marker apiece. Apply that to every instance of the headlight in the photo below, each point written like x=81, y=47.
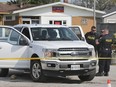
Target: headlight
x=91, y=49
x=92, y=52
x=49, y=52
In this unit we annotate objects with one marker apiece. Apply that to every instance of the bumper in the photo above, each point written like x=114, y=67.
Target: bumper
x=67, y=72
x=68, y=67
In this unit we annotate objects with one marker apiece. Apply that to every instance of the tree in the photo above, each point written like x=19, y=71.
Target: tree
x=100, y=4
x=32, y=1
x=105, y=4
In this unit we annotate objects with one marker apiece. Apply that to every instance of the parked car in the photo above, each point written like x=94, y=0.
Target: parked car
x=78, y=31
x=46, y=50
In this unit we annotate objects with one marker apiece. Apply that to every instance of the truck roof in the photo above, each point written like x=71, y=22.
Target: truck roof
x=38, y=25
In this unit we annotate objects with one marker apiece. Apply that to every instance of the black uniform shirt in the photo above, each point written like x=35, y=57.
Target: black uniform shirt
x=105, y=43
x=91, y=37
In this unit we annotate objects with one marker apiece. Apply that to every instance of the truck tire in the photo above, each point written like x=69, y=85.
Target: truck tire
x=4, y=72
x=36, y=71
x=88, y=77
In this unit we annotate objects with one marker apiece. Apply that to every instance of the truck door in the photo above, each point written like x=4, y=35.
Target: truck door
x=14, y=51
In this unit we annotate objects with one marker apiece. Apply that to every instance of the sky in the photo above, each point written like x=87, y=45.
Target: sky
x=4, y=0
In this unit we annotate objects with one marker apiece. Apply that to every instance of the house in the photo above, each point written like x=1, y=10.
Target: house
x=54, y=13
x=109, y=21
x=5, y=12
x=110, y=17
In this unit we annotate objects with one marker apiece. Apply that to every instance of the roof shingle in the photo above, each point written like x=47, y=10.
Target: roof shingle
x=4, y=7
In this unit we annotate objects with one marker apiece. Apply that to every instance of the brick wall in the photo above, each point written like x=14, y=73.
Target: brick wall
x=84, y=22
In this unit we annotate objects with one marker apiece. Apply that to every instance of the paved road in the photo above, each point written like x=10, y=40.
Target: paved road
x=24, y=80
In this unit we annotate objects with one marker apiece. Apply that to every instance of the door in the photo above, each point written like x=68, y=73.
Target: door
x=14, y=51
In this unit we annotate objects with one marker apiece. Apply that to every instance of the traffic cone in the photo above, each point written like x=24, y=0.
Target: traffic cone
x=108, y=83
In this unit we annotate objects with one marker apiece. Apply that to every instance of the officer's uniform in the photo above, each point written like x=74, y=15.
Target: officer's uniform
x=105, y=52
x=91, y=38
x=114, y=38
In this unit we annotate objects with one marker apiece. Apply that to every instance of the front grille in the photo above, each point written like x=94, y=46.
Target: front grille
x=73, y=59
x=73, y=49
x=72, y=53
x=79, y=54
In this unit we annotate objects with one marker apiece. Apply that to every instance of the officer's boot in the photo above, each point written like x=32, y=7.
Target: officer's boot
x=106, y=74
x=99, y=74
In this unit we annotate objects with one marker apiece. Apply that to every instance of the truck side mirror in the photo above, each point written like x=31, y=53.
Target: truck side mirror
x=23, y=41
x=82, y=38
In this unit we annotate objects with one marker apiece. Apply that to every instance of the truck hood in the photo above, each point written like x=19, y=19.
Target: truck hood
x=62, y=44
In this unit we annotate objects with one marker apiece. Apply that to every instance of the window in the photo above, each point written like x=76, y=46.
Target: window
x=4, y=33
x=36, y=33
x=50, y=22
x=26, y=22
x=84, y=21
x=8, y=18
x=17, y=39
x=1, y=32
x=35, y=21
x=111, y=20
x=64, y=22
x=26, y=32
x=60, y=34
x=7, y=32
x=31, y=20
x=77, y=31
x=14, y=37
x=58, y=22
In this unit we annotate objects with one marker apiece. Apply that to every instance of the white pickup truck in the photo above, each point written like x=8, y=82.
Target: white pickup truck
x=46, y=50
x=78, y=31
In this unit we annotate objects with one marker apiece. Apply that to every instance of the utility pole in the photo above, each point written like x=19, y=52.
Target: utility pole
x=94, y=13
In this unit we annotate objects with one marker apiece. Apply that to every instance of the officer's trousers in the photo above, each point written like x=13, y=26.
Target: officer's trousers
x=104, y=63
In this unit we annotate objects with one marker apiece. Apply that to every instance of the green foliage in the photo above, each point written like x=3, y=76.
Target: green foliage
x=32, y=1
x=100, y=4
x=105, y=4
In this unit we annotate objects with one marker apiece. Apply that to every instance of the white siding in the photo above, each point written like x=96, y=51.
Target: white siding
x=48, y=11
x=110, y=19
x=77, y=12
x=45, y=20
x=46, y=14
x=36, y=12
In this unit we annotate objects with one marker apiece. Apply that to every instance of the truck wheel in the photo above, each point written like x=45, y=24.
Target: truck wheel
x=36, y=71
x=88, y=77
x=4, y=72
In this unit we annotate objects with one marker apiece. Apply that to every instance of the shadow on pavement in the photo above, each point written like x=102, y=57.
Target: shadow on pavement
x=62, y=80
x=25, y=77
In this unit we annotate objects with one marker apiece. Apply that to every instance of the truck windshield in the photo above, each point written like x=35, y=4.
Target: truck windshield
x=53, y=34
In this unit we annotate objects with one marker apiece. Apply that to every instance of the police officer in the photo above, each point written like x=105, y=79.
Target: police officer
x=105, y=43
x=114, y=38
x=92, y=36
x=98, y=45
